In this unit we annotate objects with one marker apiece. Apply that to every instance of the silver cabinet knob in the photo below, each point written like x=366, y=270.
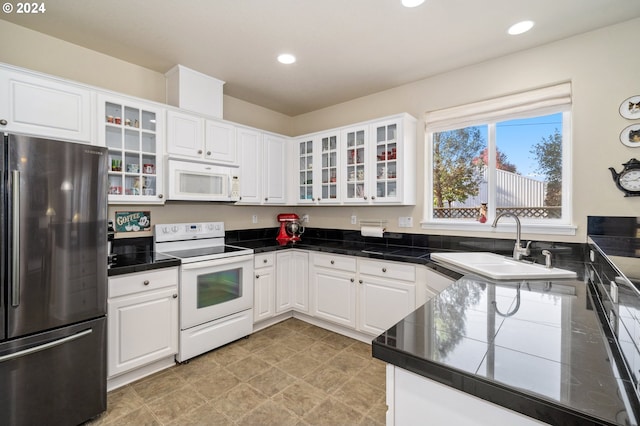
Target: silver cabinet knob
x=160, y=195
x=175, y=296
x=384, y=269
x=145, y=282
x=365, y=197
x=264, y=261
x=257, y=276
x=373, y=197
x=3, y=122
x=353, y=279
x=199, y=151
x=360, y=281
x=333, y=262
x=209, y=153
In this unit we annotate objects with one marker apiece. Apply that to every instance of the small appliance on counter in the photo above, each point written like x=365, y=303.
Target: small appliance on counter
x=111, y=232
x=290, y=228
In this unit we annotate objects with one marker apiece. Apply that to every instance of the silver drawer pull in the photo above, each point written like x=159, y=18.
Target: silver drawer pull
x=384, y=269
x=333, y=262
x=146, y=282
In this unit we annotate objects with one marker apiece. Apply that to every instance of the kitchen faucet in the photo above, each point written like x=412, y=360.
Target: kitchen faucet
x=518, y=250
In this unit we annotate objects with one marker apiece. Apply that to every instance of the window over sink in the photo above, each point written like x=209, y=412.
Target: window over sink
x=509, y=154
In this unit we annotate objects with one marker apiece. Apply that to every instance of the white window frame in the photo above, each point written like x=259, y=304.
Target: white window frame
x=537, y=102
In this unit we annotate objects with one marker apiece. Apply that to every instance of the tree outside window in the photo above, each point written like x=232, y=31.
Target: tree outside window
x=513, y=165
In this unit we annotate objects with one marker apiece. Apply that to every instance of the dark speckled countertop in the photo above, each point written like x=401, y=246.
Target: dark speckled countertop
x=534, y=347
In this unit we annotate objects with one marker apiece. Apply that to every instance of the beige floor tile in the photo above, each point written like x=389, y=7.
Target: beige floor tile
x=348, y=362
x=158, y=385
x=338, y=341
x=140, y=417
x=332, y=412
x=374, y=374
x=269, y=413
x=297, y=341
x=360, y=396
x=238, y=402
x=175, y=404
x=294, y=324
x=205, y=415
x=246, y=368
x=271, y=381
x=291, y=373
x=300, y=397
x=274, y=354
x=321, y=351
x=326, y=378
x=213, y=386
x=120, y=402
x=298, y=365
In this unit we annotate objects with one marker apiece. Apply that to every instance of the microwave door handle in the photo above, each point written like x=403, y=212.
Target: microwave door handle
x=15, y=238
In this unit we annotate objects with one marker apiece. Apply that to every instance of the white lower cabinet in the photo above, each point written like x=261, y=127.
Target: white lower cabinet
x=264, y=287
x=365, y=295
x=387, y=294
x=292, y=281
x=332, y=280
x=142, y=318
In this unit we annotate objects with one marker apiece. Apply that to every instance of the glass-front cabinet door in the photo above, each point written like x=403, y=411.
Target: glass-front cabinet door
x=318, y=169
x=355, y=164
x=133, y=134
x=305, y=168
x=329, y=169
x=386, y=169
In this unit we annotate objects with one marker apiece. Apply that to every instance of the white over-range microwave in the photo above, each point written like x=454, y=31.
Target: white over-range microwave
x=190, y=181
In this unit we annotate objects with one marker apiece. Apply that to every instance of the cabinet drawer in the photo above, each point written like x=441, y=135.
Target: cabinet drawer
x=388, y=270
x=335, y=262
x=142, y=281
x=264, y=260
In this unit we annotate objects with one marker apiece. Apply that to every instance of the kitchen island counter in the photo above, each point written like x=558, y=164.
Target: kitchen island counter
x=536, y=347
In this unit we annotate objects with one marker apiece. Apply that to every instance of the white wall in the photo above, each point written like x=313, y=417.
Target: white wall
x=602, y=65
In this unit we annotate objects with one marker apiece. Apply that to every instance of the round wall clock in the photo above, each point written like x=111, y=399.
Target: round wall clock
x=628, y=180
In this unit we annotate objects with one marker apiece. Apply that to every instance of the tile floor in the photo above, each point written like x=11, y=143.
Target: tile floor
x=292, y=373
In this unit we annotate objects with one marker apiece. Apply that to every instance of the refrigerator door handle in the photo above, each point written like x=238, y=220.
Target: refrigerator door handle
x=46, y=345
x=15, y=238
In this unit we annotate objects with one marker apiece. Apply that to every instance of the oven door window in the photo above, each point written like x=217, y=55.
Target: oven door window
x=219, y=287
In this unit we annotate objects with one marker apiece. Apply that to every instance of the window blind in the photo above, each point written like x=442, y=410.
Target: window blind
x=510, y=106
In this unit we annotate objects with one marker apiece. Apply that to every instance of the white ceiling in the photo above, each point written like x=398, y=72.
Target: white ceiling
x=345, y=48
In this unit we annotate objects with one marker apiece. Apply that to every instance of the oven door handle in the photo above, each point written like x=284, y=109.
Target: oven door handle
x=232, y=260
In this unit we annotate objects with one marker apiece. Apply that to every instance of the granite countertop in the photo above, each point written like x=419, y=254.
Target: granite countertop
x=535, y=347
x=141, y=261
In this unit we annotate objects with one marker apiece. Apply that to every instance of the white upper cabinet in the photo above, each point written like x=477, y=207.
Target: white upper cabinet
x=275, y=168
x=220, y=142
x=133, y=133
x=192, y=137
x=41, y=106
x=185, y=137
x=318, y=168
x=251, y=163
x=355, y=149
x=367, y=163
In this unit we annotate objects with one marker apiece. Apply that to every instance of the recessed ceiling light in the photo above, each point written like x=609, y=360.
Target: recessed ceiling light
x=520, y=27
x=286, y=58
x=412, y=3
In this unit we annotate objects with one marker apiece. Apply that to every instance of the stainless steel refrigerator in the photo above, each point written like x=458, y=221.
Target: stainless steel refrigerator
x=53, y=281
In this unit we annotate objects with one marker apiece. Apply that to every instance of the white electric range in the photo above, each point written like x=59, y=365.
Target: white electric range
x=216, y=285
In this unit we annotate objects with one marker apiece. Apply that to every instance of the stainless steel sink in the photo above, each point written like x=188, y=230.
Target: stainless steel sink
x=499, y=267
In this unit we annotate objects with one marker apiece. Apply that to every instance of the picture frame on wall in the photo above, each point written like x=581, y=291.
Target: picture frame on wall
x=630, y=136
x=630, y=108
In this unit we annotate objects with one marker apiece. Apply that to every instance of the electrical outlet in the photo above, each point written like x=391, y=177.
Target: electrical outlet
x=305, y=218
x=354, y=219
x=405, y=222
x=254, y=218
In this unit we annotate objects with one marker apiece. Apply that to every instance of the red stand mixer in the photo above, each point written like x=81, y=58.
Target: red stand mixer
x=290, y=228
